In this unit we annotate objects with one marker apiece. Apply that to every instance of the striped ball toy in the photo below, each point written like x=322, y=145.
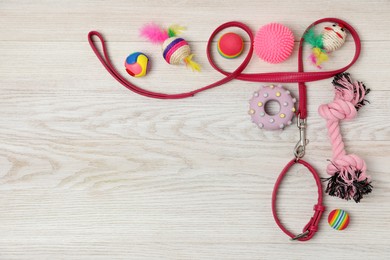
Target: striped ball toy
x=230, y=45
x=175, y=49
x=338, y=219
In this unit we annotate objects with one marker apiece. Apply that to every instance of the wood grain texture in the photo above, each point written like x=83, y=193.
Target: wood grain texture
x=89, y=170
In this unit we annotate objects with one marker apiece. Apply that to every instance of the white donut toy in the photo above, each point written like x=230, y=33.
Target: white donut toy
x=272, y=93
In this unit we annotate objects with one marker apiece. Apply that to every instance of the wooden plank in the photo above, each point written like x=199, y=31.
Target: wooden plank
x=48, y=20
x=89, y=170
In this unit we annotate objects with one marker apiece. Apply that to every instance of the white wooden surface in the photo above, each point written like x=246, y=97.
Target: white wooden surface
x=89, y=170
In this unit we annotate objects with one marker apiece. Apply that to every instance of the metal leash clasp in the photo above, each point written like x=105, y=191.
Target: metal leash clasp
x=300, y=147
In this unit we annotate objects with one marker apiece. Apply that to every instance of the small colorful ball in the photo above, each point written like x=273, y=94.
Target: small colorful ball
x=137, y=64
x=274, y=43
x=338, y=219
x=230, y=45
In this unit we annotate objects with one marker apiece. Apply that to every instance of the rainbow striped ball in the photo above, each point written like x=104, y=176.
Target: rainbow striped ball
x=338, y=219
x=175, y=50
x=230, y=45
x=137, y=64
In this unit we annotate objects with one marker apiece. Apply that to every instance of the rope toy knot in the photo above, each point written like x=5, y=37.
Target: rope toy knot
x=346, y=90
x=347, y=164
x=349, y=97
x=349, y=179
x=337, y=110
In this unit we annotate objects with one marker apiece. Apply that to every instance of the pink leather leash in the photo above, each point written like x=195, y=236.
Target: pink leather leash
x=282, y=77
x=299, y=77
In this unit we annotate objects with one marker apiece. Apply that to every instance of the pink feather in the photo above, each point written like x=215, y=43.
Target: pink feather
x=154, y=33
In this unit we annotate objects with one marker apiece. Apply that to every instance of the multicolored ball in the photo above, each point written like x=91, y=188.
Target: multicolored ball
x=137, y=64
x=338, y=219
x=175, y=50
x=230, y=45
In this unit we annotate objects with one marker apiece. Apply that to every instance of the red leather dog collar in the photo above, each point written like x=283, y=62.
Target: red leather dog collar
x=312, y=226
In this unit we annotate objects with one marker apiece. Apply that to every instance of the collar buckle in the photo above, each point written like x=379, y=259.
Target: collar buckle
x=312, y=226
x=304, y=234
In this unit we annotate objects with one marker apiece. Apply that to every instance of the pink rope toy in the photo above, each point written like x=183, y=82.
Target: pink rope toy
x=349, y=179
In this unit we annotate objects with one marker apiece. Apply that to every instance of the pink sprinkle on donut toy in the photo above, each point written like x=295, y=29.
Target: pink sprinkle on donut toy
x=274, y=43
x=266, y=120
